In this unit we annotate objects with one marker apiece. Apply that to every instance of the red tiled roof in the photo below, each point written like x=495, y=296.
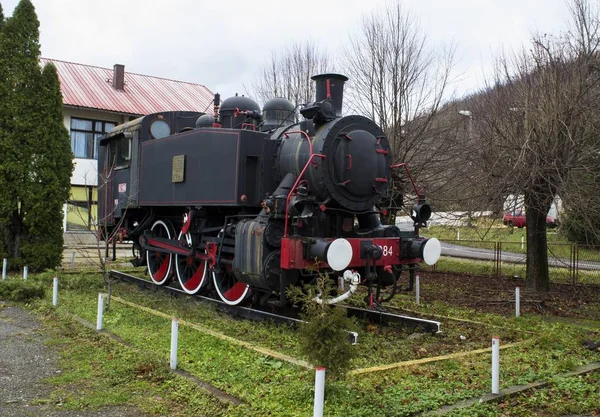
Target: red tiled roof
x=91, y=87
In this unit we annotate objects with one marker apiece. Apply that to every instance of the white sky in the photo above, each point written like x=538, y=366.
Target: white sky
x=222, y=44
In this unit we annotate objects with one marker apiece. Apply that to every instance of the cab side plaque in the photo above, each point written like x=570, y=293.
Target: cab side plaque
x=178, y=170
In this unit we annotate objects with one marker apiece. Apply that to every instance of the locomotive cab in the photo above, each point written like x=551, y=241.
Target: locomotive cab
x=119, y=157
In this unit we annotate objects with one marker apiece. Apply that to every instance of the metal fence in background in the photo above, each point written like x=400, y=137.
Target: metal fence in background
x=568, y=263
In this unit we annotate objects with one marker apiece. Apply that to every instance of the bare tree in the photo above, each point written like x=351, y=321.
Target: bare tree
x=399, y=80
x=287, y=73
x=103, y=236
x=538, y=124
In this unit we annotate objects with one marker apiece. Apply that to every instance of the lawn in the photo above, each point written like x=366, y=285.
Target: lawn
x=108, y=373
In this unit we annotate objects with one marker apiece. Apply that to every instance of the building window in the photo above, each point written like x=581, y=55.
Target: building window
x=85, y=134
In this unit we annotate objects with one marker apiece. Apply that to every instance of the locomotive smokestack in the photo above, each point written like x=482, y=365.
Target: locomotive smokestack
x=331, y=86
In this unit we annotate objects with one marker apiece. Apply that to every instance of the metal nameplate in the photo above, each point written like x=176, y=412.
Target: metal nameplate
x=177, y=173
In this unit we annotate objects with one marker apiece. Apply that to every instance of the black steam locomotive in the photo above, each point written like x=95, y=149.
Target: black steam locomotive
x=246, y=203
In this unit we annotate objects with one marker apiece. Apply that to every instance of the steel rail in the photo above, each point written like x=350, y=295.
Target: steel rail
x=373, y=316
x=237, y=311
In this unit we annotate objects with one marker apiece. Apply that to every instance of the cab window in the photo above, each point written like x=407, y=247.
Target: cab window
x=120, y=152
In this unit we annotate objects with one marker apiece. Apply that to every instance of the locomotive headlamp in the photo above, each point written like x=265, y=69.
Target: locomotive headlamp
x=421, y=212
x=338, y=254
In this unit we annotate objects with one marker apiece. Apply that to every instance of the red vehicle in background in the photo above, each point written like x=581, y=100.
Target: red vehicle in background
x=516, y=218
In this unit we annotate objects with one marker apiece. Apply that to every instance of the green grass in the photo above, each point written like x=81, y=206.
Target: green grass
x=98, y=373
x=575, y=395
x=107, y=374
x=497, y=233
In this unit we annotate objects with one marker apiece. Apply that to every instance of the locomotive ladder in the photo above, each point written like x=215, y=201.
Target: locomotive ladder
x=373, y=316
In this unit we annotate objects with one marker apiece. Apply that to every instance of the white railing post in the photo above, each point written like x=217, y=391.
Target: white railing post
x=25, y=272
x=517, y=301
x=174, y=334
x=319, y=391
x=417, y=290
x=4, y=266
x=55, y=292
x=495, y=365
x=100, y=311
x=73, y=260
x=458, y=234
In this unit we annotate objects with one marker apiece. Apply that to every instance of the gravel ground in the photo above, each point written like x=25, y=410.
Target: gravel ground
x=25, y=361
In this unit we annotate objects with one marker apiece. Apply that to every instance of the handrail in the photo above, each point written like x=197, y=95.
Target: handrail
x=412, y=181
x=312, y=156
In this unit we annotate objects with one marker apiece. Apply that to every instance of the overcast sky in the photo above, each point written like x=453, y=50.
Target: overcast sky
x=222, y=44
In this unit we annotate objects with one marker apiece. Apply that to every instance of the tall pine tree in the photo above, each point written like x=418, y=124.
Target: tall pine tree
x=50, y=173
x=1, y=17
x=36, y=156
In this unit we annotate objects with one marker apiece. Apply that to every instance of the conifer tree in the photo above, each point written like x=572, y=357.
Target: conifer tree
x=36, y=157
x=51, y=169
x=1, y=17
x=2, y=228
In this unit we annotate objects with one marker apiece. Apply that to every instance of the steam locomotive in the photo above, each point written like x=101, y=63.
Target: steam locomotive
x=243, y=204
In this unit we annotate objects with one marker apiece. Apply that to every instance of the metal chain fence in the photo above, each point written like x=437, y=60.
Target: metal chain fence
x=568, y=263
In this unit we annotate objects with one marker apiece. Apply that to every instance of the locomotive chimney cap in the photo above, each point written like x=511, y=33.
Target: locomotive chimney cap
x=329, y=87
x=330, y=76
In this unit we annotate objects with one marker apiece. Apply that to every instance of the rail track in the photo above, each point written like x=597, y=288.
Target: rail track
x=372, y=316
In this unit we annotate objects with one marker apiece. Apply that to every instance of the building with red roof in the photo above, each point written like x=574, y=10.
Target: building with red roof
x=97, y=99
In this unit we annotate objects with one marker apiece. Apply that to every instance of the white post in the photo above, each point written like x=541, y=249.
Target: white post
x=457, y=234
x=4, y=266
x=55, y=292
x=495, y=365
x=73, y=260
x=522, y=242
x=517, y=301
x=65, y=211
x=100, y=311
x=417, y=290
x=174, y=332
x=319, y=391
x=25, y=272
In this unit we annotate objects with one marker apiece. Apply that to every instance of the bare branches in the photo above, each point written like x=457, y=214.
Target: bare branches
x=400, y=81
x=287, y=73
x=585, y=27
x=540, y=121
x=395, y=75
